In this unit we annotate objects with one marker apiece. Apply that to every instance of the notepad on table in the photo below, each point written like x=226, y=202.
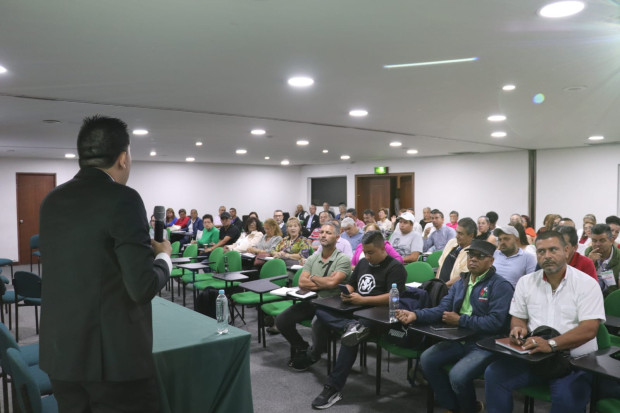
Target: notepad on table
x=505, y=342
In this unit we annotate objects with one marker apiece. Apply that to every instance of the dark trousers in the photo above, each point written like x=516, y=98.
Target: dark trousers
x=139, y=396
x=288, y=319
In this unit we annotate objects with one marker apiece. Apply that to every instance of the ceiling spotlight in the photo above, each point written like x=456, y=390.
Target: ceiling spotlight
x=3, y=69
x=198, y=143
x=345, y=157
x=396, y=144
x=498, y=134
x=596, y=138
x=69, y=155
x=267, y=158
x=358, y=113
x=153, y=153
x=241, y=151
x=258, y=132
x=285, y=162
x=140, y=132
x=508, y=88
x=496, y=118
x=301, y=81
x=190, y=159
x=325, y=151
x=561, y=9
x=302, y=142
x=412, y=151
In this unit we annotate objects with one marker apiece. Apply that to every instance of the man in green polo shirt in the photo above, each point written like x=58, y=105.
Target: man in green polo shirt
x=321, y=273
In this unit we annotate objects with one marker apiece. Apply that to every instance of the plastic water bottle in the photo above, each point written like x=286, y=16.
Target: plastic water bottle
x=221, y=312
x=394, y=303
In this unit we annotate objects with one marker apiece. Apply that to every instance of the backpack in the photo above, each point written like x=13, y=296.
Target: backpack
x=436, y=290
x=205, y=302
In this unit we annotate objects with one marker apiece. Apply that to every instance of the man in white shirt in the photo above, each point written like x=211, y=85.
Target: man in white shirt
x=408, y=243
x=560, y=297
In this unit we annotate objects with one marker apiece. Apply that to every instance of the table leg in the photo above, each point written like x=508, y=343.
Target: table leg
x=194, y=287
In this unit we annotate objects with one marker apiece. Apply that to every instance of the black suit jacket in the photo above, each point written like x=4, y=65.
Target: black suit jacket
x=315, y=223
x=100, y=277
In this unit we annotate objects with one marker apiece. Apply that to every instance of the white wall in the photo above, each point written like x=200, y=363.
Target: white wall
x=470, y=184
x=177, y=185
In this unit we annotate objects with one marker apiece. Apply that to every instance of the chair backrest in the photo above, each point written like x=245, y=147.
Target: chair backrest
x=234, y=262
x=296, y=277
x=602, y=337
x=34, y=242
x=273, y=267
x=612, y=304
x=26, y=387
x=176, y=247
x=419, y=272
x=6, y=342
x=27, y=284
x=216, y=256
x=433, y=259
x=191, y=251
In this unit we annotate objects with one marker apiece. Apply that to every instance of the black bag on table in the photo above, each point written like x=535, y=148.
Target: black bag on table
x=555, y=366
x=205, y=302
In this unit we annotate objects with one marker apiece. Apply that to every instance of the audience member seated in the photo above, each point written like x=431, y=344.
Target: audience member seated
x=359, y=251
x=194, y=225
x=493, y=217
x=614, y=224
x=312, y=221
x=511, y=262
x=566, y=222
x=216, y=218
x=587, y=218
x=235, y=220
x=479, y=301
x=454, y=219
x=229, y=234
x=574, y=258
x=209, y=235
x=407, y=242
x=342, y=211
x=606, y=257
x=440, y=237
x=426, y=219
x=529, y=230
x=369, y=285
x=278, y=215
x=384, y=222
x=171, y=219
x=300, y=213
x=322, y=273
x=327, y=208
x=453, y=260
x=550, y=222
x=342, y=245
x=251, y=236
x=351, y=232
x=352, y=213
x=369, y=217
x=523, y=240
x=182, y=221
x=484, y=230
x=416, y=225
x=151, y=231
x=293, y=246
x=314, y=236
x=560, y=297
x=269, y=241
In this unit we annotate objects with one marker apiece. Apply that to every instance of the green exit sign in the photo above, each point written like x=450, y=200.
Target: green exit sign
x=381, y=170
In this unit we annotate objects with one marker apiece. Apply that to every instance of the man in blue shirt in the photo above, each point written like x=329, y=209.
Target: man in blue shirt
x=351, y=232
x=511, y=261
x=440, y=237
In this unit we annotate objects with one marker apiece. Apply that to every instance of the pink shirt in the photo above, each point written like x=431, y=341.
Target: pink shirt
x=388, y=248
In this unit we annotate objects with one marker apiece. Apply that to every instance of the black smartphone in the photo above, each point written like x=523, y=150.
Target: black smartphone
x=344, y=289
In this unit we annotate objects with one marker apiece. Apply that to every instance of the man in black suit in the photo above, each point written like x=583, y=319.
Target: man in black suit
x=312, y=221
x=102, y=270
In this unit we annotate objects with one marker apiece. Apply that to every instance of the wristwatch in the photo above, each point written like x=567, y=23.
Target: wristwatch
x=553, y=345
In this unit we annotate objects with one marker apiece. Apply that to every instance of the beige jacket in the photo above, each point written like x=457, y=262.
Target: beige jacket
x=460, y=265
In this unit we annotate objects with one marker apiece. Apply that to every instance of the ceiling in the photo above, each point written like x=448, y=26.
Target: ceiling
x=211, y=71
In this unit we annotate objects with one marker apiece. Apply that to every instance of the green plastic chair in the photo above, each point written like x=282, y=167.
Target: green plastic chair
x=190, y=252
x=270, y=269
x=433, y=259
x=176, y=247
x=612, y=307
x=277, y=307
x=543, y=392
x=391, y=348
x=26, y=387
x=608, y=406
x=419, y=272
x=218, y=265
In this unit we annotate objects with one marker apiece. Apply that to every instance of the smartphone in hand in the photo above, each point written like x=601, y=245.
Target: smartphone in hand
x=344, y=289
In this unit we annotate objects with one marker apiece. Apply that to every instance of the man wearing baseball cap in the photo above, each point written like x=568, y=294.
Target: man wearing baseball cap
x=511, y=261
x=408, y=243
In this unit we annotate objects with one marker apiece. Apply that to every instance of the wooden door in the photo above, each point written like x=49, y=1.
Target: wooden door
x=31, y=189
x=406, y=191
x=372, y=192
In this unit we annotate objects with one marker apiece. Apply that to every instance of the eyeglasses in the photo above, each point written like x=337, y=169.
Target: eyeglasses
x=476, y=255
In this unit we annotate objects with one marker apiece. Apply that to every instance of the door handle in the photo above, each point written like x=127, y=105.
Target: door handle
x=21, y=221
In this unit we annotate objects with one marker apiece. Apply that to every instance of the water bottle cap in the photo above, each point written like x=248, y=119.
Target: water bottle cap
x=394, y=285
x=221, y=291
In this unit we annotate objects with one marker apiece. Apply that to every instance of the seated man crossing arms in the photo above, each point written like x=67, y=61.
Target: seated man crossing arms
x=479, y=300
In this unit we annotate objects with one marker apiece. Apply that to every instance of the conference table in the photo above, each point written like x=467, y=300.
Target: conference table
x=197, y=369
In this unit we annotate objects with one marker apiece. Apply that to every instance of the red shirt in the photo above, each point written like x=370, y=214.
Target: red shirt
x=182, y=222
x=584, y=264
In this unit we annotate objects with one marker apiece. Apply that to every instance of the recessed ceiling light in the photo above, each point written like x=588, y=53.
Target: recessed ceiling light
x=258, y=132
x=284, y=162
x=302, y=142
x=325, y=151
x=396, y=144
x=561, y=9
x=140, y=132
x=345, y=157
x=301, y=81
x=241, y=151
x=190, y=159
x=498, y=134
x=496, y=118
x=438, y=62
x=198, y=143
x=508, y=88
x=3, y=69
x=596, y=138
x=69, y=155
x=358, y=113
x=267, y=158
x=153, y=153
x=412, y=151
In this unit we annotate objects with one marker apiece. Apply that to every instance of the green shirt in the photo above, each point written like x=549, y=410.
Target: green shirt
x=336, y=262
x=210, y=237
x=466, y=307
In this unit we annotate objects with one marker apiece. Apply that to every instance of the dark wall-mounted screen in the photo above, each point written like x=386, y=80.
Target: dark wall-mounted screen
x=332, y=190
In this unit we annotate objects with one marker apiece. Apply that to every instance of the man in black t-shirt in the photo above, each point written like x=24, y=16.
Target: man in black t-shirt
x=369, y=285
x=229, y=234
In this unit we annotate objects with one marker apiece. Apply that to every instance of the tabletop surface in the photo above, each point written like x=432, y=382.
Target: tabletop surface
x=599, y=362
x=262, y=285
x=193, y=266
x=488, y=343
x=456, y=334
x=380, y=315
x=335, y=303
x=612, y=321
x=230, y=276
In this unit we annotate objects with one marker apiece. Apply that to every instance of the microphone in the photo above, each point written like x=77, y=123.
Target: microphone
x=160, y=224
